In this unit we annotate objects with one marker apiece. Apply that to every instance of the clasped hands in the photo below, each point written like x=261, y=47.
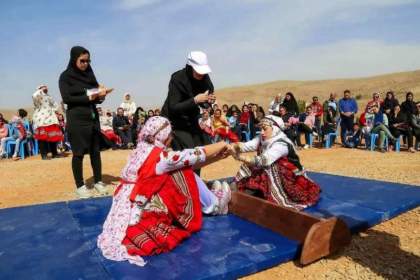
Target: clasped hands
x=234, y=151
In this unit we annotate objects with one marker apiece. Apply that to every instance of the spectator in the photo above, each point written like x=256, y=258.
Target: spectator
x=135, y=124
x=348, y=108
x=222, y=128
x=244, y=120
x=205, y=124
x=150, y=114
x=4, y=131
x=45, y=122
x=3, y=119
x=380, y=123
x=399, y=124
x=389, y=103
x=234, y=123
x=121, y=126
x=225, y=109
x=376, y=101
x=275, y=104
x=366, y=120
x=62, y=145
x=260, y=114
x=232, y=109
x=408, y=106
x=306, y=125
x=353, y=140
x=290, y=128
x=290, y=103
x=107, y=129
x=330, y=120
x=156, y=112
x=317, y=111
x=331, y=102
x=415, y=122
x=18, y=134
x=129, y=107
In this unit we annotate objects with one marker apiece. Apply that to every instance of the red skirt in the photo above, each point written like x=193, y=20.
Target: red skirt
x=50, y=133
x=296, y=190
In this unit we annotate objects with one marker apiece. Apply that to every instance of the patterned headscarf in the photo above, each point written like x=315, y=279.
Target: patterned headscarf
x=153, y=134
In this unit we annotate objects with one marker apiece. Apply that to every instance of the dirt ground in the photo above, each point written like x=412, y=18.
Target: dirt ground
x=390, y=250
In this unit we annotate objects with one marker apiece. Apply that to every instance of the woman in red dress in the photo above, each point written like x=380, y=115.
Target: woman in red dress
x=160, y=199
x=275, y=173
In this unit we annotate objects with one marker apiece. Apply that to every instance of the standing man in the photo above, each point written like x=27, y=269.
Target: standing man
x=189, y=89
x=347, y=107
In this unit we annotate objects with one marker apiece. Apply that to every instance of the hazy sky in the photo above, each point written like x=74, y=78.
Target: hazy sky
x=136, y=44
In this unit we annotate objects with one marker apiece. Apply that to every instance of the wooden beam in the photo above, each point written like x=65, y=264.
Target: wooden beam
x=318, y=237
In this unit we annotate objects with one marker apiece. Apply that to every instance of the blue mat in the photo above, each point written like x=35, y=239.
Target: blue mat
x=58, y=240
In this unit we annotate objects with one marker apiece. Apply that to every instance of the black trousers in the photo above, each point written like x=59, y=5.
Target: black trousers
x=95, y=162
x=46, y=147
x=406, y=132
x=346, y=125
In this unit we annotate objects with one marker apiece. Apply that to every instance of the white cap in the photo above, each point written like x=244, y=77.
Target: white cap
x=198, y=61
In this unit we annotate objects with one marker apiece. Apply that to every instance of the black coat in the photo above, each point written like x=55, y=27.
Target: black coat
x=181, y=110
x=82, y=116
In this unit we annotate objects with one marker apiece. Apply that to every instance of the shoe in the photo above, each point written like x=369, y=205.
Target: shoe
x=83, y=192
x=411, y=150
x=58, y=156
x=306, y=147
x=227, y=195
x=382, y=150
x=15, y=158
x=101, y=188
x=315, y=134
x=130, y=145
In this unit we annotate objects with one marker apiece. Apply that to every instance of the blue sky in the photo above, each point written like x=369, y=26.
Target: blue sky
x=137, y=44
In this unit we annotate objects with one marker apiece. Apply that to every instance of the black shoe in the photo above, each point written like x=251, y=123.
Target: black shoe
x=45, y=158
x=58, y=156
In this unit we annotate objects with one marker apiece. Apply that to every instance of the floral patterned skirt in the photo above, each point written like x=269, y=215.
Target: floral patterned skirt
x=281, y=183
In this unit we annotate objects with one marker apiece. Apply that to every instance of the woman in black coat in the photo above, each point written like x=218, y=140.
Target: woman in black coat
x=290, y=103
x=81, y=92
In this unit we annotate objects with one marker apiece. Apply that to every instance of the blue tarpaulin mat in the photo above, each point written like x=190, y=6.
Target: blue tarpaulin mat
x=58, y=240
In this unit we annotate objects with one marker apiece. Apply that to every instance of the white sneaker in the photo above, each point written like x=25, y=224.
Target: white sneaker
x=101, y=188
x=83, y=192
x=306, y=147
x=315, y=134
x=224, y=201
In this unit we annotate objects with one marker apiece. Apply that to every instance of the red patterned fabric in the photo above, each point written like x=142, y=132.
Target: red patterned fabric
x=111, y=136
x=227, y=134
x=297, y=190
x=175, y=217
x=50, y=133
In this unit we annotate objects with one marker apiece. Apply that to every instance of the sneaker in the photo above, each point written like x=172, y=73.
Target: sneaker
x=306, y=147
x=15, y=158
x=382, y=150
x=315, y=134
x=411, y=150
x=101, y=188
x=83, y=192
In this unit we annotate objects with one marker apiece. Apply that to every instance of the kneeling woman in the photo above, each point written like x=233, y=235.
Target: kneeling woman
x=160, y=199
x=275, y=173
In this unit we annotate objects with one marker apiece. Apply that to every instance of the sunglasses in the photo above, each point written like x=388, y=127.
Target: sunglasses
x=84, y=61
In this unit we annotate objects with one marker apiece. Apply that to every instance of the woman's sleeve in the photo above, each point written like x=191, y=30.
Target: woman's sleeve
x=174, y=160
x=272, y=154
x=71, y=95
x=176, y=103
x=249, y=146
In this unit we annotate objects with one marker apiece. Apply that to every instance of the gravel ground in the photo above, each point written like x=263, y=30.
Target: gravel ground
x=390, y=250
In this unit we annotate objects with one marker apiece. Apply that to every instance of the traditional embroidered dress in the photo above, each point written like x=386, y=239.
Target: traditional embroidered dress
x=157, y=204
x=44, y=118
x=277, y=174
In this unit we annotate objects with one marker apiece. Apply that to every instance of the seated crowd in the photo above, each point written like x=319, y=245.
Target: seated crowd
x=385, y=121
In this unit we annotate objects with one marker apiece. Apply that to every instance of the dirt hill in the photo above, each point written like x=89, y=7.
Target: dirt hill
x=362, y=88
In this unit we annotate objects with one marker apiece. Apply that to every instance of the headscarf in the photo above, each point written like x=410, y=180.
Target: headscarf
x=276, y=123
x=80, y=79
x=153, y=134
x=129, y=101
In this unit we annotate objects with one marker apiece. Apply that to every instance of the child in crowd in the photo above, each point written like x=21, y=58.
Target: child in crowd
x=18, y=134
x=205, y=124
x=353, y=140
x=234, y=123
x=222, y=128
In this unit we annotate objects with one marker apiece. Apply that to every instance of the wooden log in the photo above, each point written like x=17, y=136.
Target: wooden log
x=318, y=237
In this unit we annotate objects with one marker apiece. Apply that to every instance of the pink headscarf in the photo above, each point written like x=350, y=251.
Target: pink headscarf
x=153, y=134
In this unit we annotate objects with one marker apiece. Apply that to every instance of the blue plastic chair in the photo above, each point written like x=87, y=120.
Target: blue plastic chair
x=330, y=136
x=398, y=144
x=11, y=143
x=373, y=137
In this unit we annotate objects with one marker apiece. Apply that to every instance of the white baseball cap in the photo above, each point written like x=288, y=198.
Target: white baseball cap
x=198, y=61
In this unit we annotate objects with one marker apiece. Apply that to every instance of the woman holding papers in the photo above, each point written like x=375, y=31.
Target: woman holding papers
x=81, y=92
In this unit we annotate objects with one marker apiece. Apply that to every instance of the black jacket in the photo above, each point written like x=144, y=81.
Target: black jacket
x=179, y=106
x=119, y=121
